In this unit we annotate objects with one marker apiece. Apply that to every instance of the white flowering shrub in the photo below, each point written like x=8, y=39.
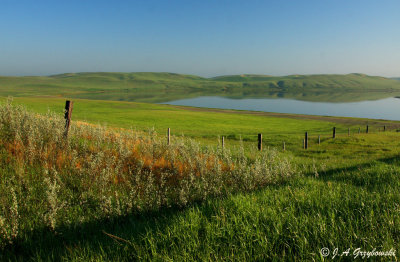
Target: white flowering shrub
x=49, y=180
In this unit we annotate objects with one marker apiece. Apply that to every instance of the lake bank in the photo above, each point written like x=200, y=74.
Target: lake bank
x=383, y=109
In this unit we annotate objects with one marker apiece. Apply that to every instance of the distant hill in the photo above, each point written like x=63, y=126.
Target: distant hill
x=396, y=78
x=349, y=81
x=243, y=78
x=128, y=76
x=158, y=87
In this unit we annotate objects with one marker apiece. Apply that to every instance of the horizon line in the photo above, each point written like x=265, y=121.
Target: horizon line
x=165, y=72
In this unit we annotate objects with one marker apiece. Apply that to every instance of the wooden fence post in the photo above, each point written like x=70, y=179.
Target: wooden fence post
x=334, y=132
x=223, y=142
x=366, y=131
x=284, y=147
x=384, y=128
x=169, y=136
x=67, y=115
x=306, y=140
x=259, y=142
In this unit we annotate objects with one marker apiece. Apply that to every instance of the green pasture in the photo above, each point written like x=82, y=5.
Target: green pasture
x=240, y=127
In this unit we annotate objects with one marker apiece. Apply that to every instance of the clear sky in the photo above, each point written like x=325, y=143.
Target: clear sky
x=201, y=37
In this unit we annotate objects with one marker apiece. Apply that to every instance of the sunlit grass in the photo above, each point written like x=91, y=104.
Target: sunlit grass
x=50, y=182
x=120, y=194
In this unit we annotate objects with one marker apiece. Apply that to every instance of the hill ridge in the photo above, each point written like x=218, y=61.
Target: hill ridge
x=158, y=87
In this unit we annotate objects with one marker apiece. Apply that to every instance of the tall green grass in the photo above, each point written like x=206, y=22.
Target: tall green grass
x=106, y=194
x=355, y=207
x=49, y=182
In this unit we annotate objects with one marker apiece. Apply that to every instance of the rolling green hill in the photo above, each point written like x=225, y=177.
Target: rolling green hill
x=349, y=81
x=162, y=87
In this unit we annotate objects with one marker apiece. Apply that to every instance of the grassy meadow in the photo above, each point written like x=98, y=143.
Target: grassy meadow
x=238, y=127
x=116, y=191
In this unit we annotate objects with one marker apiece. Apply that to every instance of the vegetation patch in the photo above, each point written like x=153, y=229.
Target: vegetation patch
x=50, y=181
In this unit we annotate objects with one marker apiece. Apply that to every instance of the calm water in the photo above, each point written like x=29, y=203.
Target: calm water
x=388, y=108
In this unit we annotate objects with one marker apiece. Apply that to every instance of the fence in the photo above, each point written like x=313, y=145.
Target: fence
x=69, y=107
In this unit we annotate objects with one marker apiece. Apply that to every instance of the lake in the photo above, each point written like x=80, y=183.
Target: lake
x=388, y=108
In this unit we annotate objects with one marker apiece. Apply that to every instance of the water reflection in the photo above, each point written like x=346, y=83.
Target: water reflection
x=388, y=108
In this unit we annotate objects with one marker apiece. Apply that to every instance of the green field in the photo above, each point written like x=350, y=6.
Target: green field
x=343, y=193
x=207, y=126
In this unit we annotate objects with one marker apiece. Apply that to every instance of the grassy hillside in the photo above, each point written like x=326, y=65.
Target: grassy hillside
x=160, y=87
x=124, y=195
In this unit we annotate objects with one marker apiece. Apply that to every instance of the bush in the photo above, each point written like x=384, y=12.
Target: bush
x=96, y=173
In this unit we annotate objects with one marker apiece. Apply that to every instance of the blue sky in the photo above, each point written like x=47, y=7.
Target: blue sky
x=206, y=38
